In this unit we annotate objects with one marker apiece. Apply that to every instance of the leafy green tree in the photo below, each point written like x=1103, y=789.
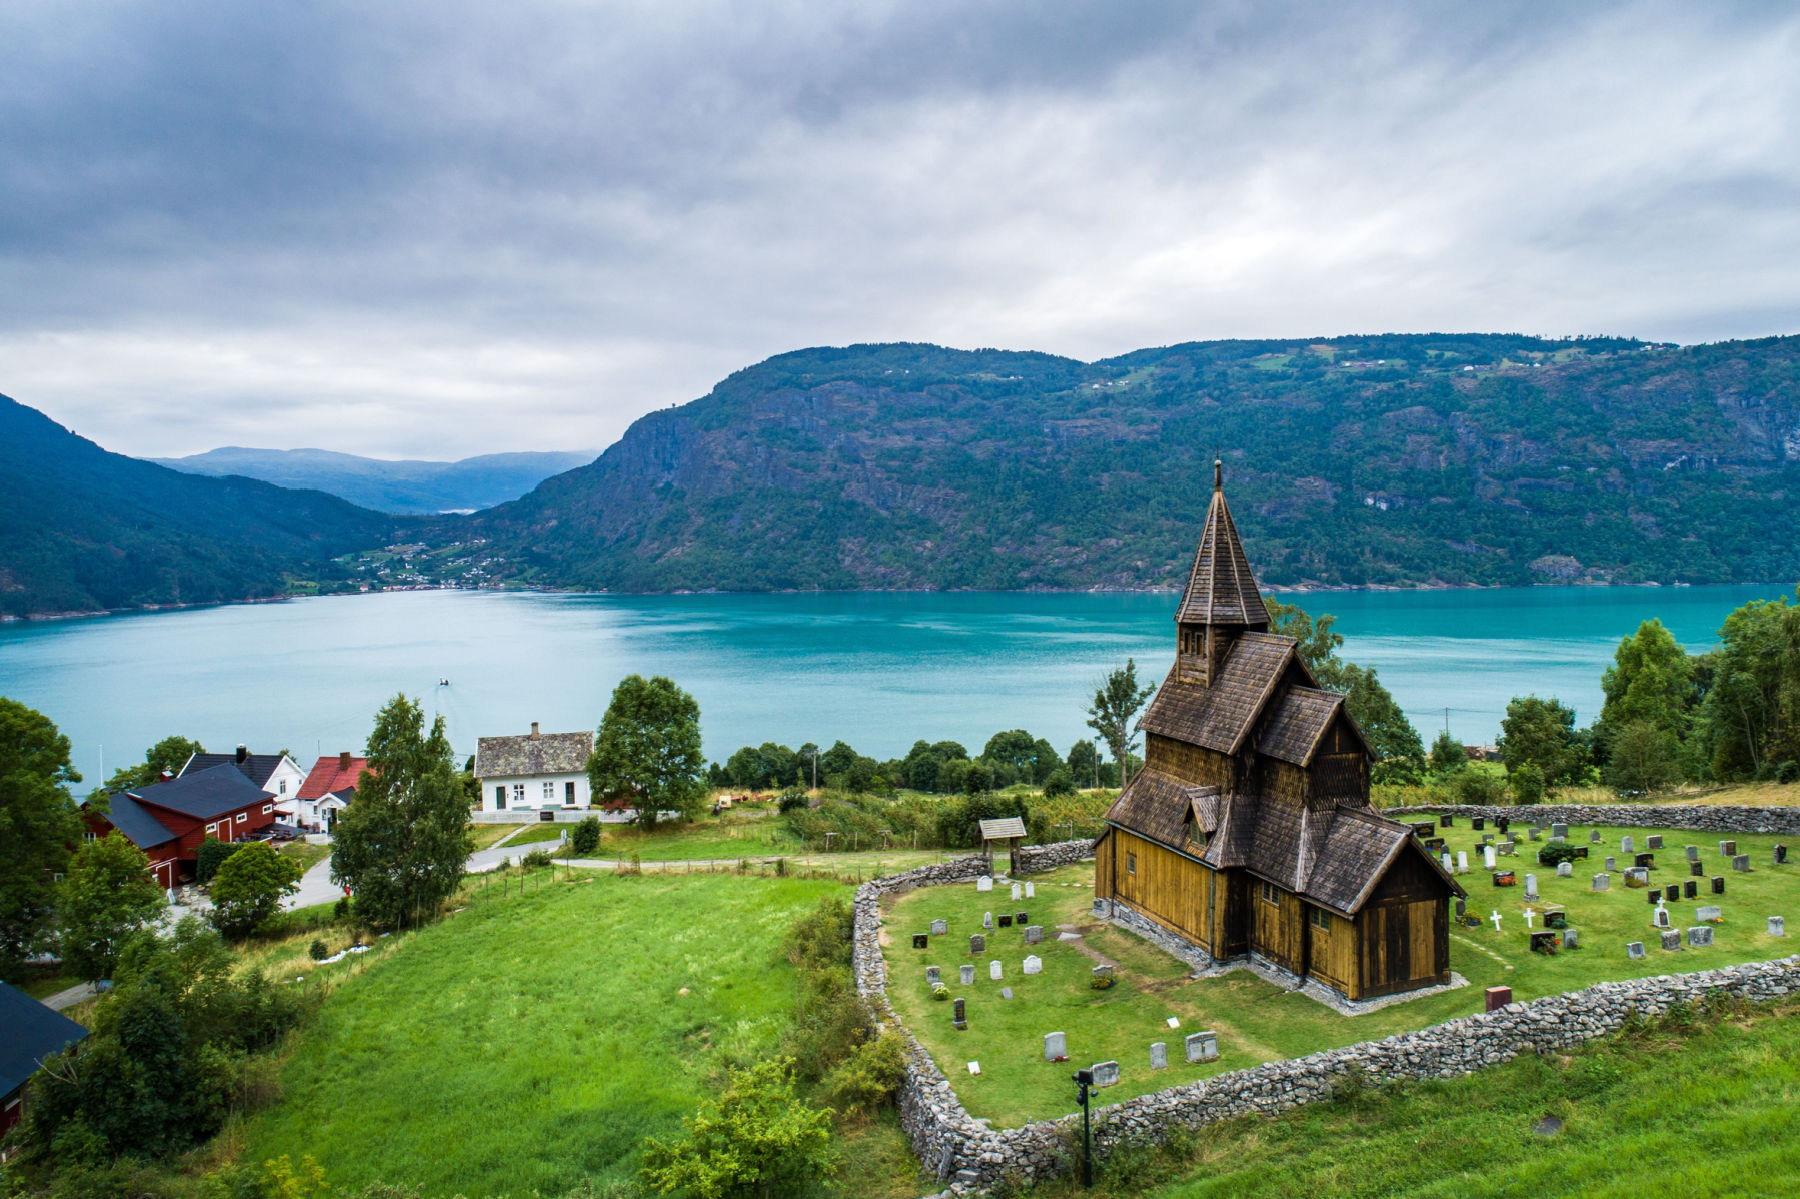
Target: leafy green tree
x=1643, y=757
x=586, y=837
x=1750, y=716
x=1541, y=733
x=1084, y=764
x=836, y=761
x=249, y=888
x=107, y=896
x=1448, y=755
x=1113, y=716
x=757, y=1138
x=1650, y=682
x=1527, y=782
x=210, y=855
x=979, y=778
x=38, y=824
x=170, y=754
x=923, y=767
x=1060, y=783
x=1399, y=754
x=648, y=749
x=401, y=847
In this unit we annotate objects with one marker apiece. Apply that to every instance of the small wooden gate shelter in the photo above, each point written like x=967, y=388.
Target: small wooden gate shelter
x=1008, y=833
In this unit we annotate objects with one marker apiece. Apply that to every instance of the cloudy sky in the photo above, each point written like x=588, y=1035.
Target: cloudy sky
x=440, y=229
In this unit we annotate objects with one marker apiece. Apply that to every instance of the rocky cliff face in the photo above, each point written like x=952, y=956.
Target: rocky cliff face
x=1406, y=460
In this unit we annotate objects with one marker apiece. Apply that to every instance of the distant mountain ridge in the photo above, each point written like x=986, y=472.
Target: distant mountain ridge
x=400, y=487
x=1432, y=459
x=84, y=530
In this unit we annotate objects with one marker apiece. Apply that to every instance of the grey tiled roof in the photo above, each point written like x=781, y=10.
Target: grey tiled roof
x=549, y=753
x=1221, y=590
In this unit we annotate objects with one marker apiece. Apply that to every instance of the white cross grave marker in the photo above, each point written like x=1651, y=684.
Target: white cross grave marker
x=1496, y=919
x=1529, y=917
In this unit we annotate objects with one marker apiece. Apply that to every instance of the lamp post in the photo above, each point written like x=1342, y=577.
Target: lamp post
x=1083, y=1080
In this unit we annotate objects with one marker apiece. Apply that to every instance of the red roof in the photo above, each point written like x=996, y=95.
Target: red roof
x=327, y=777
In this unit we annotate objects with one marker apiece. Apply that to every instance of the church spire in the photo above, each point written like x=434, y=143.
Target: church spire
x=1221, y=590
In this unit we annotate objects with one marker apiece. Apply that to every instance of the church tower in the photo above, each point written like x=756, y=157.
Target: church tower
x=1221, y=599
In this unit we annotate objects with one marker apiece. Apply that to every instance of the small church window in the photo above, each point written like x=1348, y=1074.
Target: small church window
x=1321, y=919
x=1271, y=894
x=1131, y=863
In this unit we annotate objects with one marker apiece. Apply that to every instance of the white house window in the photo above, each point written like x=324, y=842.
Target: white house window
x=518, y=792
x=549, y=790
x=283, y=786
x=90, y=835
x=243, y=816
x=267, y=808
x=500, y=796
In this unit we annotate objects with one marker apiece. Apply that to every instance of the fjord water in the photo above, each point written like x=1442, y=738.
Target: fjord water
x=878, y=670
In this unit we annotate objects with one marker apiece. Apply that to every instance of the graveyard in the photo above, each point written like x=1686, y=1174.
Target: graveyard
x=1256, y=1021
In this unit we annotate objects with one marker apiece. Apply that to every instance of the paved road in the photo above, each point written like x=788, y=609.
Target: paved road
x=315, y=887
x=70, y=997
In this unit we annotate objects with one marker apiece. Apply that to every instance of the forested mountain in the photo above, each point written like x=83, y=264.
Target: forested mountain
x=1428, y=459
x=82, y=529
x=409, y=486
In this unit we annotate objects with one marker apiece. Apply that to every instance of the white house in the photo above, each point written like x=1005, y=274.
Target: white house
x=533, y=772
x=329, y=788
x=278, y=774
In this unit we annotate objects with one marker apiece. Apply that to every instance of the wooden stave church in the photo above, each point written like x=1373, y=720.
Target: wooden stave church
x=1248, y=831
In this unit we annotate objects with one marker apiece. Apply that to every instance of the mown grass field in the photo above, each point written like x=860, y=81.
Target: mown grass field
x=528, y=1042
x=1256, y=1021
x=1696, y=1107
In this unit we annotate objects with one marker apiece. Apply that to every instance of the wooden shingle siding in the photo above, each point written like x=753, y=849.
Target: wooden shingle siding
x=1205, y=767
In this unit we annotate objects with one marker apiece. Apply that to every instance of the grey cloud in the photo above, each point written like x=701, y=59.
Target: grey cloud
x=441, y=229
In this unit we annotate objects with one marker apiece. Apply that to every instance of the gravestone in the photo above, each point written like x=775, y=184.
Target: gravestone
x=1565, y=870
x=932, y=975
x=1690, y=889
x=974, y=1067
x=1006, y=992
x=1034, y=964
x=1034, y=934
x=1672, y=892
x=1507, y=849
x=1671, y=939
x=1559, y=832
x=1696, y=870
x=1447, y=861
x=1505, y=878
x=1005, y=920
x=984, y=883
x=921, y=941
x=1780, y=858
x=977, y=944
x=1728, y=848
x=1446, y=820
x=1106, y=1074
x=1531, y=891
x=1602, y=882
x=1476, y=823
x=1462, y=907
x=1555, y=918
x=1487, y=839
x=1487, y=856
x=1543, y=941
x=1653, y=841
x=1634, y=877
x=1660, y=918
x=1102, y=974
x=1626, y=844
x=1056, y=1047
x=965, y=974
x=1502, y=823
x=958, y=1019
x=1646, y=860
x=1709, y=912
x=1159, y=1055
x=1201, y=1046
x=1654, y=895
x=1594, y=837
x=1531, y=834
x=1498, y=997
x=1030, y=890
x=1777, y=926
x=1021, y=919
x=1741, y=863
x=1612, y=864
x=939, y=928
x=1570, y=939
x=1434, y=843
x=1634, y=949
x=1692, y=852
x=1718, y=884
x=994, y=972
x=1018, y=892
x=1462, y=861
x=1700, y=935
x=987, y=921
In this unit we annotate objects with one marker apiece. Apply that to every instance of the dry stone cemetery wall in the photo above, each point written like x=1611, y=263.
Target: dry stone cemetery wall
x=1698, y=817
x=1034, y=859
x=971, y=1157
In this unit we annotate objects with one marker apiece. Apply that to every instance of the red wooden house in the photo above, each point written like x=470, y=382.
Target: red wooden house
x=169, y=819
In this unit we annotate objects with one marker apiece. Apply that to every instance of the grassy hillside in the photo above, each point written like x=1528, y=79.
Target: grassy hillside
x=528, y=1042
x=1449, y=459
x=82, y=529
x=1698, y=1105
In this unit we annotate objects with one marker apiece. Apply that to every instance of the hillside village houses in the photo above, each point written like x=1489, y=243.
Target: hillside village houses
x=328, y=789
x=168, y=819
x=533, y=772
x=278, y=774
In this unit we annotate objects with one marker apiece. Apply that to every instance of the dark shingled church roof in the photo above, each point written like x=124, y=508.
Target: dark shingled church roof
x=1298, y=723
x=1220, y=588
x=1156, y=805
x=1221, y=716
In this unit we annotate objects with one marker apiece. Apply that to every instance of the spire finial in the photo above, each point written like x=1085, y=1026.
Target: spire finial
x=1218, y=474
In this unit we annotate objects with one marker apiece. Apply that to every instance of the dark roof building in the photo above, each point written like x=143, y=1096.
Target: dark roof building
x=204, y=794
x=1248, y=833
x=258, y=768
x=29, y=1033
x=169, y=819
x=533, y=755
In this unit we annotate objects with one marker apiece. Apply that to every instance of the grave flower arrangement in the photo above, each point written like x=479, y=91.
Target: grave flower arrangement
x=940, y=992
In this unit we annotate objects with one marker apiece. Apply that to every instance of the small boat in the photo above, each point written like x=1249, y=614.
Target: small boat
x=443, y=682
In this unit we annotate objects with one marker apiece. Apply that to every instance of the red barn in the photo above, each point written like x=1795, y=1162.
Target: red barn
x=169, y=819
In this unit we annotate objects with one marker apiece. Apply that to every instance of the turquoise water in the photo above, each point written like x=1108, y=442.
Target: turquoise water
x=878, y=670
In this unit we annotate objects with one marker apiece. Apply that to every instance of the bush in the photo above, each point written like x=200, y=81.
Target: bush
x=790, y=799
x=1477, y=786
x=317, y=950
x=340, y=910
x=536, y=858
x=1527, y=784
x=1558, y=852
x=1059, y=784
x=869, y=1078
x=249, y=889
x=211, y=854
x=586, y=837
x=758, y=1137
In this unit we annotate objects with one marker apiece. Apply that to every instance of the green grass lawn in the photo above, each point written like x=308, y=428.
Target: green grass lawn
x=534, y=834
x=1258, y=1022
x=527, y=1042
x=1706, y=1110
x=307, y=855
x=487, y=835
x=740, y=833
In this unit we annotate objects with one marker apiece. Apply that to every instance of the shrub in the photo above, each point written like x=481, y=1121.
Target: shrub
x=869, y=1078
x=340, y=910
x=586, y=837
x=1479, y=787
x=940, y=992
x=1527, y=784
x=790, y=799
x=536, y=858
x=1060, y=783
x=211, y=854
x=249, y=889
x=1558, y=852
x=756, y=1137
x=317, y=950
